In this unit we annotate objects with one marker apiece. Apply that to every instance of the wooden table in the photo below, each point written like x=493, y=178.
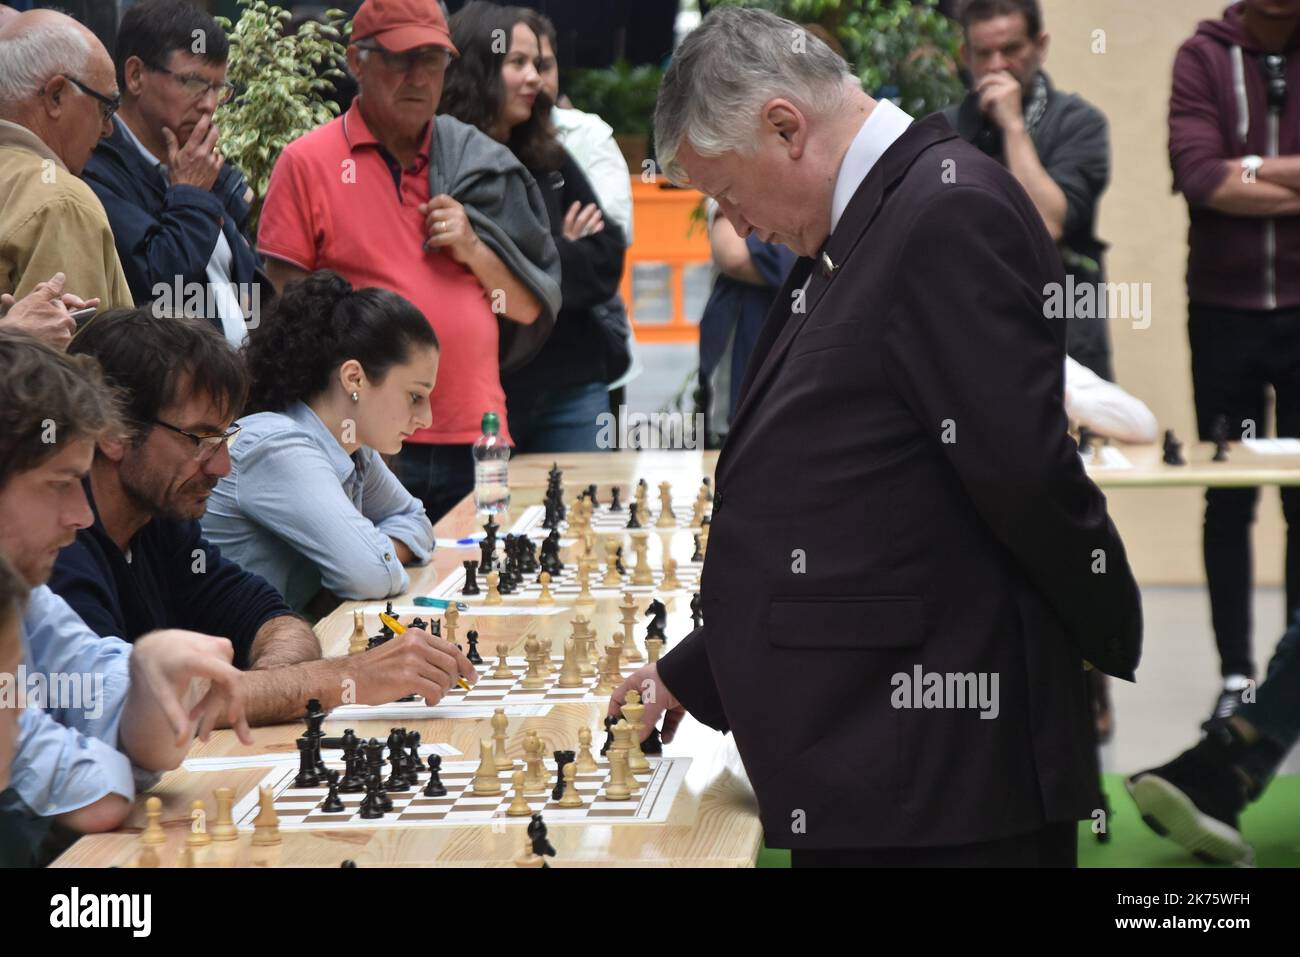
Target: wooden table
x=714, y=822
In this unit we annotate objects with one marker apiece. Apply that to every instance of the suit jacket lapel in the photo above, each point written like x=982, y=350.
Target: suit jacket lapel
x=783, y=324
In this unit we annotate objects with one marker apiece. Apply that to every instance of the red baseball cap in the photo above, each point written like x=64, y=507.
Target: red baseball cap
x=400, y=25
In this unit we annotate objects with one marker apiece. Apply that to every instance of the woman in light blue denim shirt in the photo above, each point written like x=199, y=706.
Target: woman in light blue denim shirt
x=338, y=377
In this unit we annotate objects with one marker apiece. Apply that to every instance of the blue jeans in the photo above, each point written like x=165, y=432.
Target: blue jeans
x=556, y=420
x=438, y=475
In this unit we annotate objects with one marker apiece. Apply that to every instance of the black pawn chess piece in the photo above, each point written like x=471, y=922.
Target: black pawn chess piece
x=561, y=759
x=372, y=805
x=434, y=787
x=632, y=520
x=332, y=803
x=1173, y=449
x=1220, y=436
x=397, y=760
x=471, y=579
x=697, y=555
x=307, y=776
x=618, y=560
x=591, y=494
x=708, y=486
x=614, y=504
x=697, y=610
x=474, y=657
x=348, y=863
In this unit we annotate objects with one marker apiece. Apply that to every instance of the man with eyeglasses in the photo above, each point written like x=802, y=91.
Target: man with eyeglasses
x=57, y=94
x=144, y=564
x=178, y=210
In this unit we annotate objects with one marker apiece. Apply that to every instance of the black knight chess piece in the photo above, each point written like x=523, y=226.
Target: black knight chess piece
x=658, y=620
x=537, y=835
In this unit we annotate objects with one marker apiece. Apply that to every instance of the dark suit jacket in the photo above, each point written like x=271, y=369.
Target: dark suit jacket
x=982, y=553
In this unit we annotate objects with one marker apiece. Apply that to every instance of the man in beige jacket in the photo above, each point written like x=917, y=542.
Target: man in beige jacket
x=57, y=95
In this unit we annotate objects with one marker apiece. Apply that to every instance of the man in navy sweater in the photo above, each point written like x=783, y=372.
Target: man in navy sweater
x=143, y=564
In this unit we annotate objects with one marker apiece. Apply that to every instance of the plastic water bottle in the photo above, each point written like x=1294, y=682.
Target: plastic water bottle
x=491, y=468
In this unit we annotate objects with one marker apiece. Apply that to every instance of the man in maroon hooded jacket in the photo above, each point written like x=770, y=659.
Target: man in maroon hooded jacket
x=1234, y=144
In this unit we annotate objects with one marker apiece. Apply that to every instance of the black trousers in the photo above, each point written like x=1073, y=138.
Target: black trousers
x=438, y=475
x=1054, y=845
x=1236, y=357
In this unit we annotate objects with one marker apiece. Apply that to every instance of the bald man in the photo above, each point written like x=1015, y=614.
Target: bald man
x=50, y=221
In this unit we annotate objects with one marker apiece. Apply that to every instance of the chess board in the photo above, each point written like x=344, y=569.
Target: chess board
x=605, y=522
x=299, y=808
x=565, y=588
x=499, y=691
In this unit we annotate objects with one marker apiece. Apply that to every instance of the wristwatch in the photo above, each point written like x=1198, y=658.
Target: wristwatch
x=1252, y=163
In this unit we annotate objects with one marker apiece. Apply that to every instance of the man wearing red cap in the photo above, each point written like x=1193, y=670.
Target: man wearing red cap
x=354, y=196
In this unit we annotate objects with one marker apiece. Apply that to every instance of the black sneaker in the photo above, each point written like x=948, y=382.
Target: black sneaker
x=1195, y=800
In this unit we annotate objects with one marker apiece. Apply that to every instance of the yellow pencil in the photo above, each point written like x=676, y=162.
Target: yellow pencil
x=398, y=628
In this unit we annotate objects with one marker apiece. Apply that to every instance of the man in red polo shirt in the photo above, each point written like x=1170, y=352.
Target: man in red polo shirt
x=353, y=196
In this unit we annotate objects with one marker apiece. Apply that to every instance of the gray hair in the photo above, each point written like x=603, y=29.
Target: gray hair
x=727, y=68
x=28, y=60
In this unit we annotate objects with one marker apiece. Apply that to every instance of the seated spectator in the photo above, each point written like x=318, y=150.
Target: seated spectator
x=144, y=564
x=555, y=399
x=78, y=758
x=45, y=312
x=460, y=224
x=57, y=97
x=177, y=209
x=341, y=376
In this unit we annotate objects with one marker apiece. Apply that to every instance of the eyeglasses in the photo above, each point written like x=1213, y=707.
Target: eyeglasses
x=196, y=86
x=205, y=446
x=423, y=58
x=107, y=104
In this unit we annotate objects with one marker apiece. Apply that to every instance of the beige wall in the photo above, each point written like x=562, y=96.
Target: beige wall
x=1146, y=226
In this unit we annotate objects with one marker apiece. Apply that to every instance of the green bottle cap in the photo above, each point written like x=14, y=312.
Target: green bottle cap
x=491, y=423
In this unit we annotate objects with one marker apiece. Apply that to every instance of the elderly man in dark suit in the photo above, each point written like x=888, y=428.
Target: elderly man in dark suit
x=908, y=567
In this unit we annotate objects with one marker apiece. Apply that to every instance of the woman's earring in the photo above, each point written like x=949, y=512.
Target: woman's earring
x=356, y=396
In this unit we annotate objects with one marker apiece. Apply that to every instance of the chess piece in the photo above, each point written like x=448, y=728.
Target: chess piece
x=198, y=836
x=612, y=577
x=499, y=724
x=545, y=598
x=519, y=806
x=571, y=797
x=357, y=643
x=623, y=744
x=332, y=804
x=666, y=517
x=533, y=680
x=307, y=776
x=266, y=826
x=585, y=599
x=535, y=777
x=669, y=582
x=653, y=648
x=697, y=611
x=628, y=608
x=471, y=581
x=187, y=857
x=473, y=655
x=615, y=505
x=1219, y=434
x=697, y=512
x=607, y=683
x=616, y=788
x=570, y=675
x=1173, y=449
x=546, y=663
x=223, y=828
x=451, y=622
x=585, y=761
x=494, y=590
x=704, y=541
x=614, y=650
x=633, y=709
x=502, y=671
x=697, y=555
x=148, y=857
x=434, y=786
x=641, y=574
x=485, y=778
x=153, y=831
x=528, y=858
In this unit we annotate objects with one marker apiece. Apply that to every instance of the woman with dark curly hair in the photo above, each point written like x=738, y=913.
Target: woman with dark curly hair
x=552, y=402
x=339, y=376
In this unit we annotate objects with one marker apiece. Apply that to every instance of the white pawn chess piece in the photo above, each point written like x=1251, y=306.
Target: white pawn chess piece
x=585, y=761
x=653, y=648
x=641, y=574
x=571, y=797
x=612, y=577
x=198, y=836
x=585, y=598
x=493, y=593
x=535, y=777
x=545, y=598
x=503, y=670
x=450, y=623
x=670, y=582
x=533, y=680
x=153, y=831
x=519, y=805
x=486, y=781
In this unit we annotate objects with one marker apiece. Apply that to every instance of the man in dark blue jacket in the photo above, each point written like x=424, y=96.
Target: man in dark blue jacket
x=176, y=208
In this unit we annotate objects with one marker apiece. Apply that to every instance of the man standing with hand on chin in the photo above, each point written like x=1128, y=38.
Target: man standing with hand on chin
x=176, y=208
